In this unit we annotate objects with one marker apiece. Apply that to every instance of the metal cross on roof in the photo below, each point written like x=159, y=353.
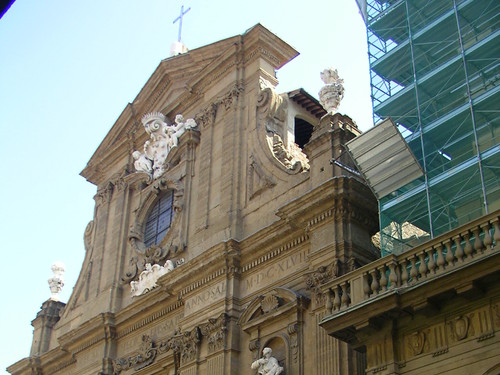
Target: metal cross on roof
x=180, y=20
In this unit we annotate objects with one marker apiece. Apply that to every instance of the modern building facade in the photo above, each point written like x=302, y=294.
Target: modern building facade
x=431, y=304
x=435, y=71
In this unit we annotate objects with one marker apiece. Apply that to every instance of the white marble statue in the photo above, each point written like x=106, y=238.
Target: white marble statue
x=332, y=93
x=56, y=282
x=142, y=163
x=162, y=138
x=181, y=126
x=148, y=277
x=267, y=365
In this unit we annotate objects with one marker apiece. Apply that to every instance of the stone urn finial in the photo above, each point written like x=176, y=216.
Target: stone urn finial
x=332, y=93
x=56, y=282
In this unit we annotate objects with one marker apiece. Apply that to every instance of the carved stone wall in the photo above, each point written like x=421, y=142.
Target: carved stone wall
x=254, y=234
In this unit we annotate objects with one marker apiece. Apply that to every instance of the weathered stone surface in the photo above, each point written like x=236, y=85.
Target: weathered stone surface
x=253, y=217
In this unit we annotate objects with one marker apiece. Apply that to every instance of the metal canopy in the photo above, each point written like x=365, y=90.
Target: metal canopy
x=384, y=158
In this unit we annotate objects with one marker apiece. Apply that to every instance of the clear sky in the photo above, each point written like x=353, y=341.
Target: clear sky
x=69, y=68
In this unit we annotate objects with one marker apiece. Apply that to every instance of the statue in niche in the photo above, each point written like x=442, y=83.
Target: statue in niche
x=162, y=138
x=267, y=365
x=332, y=93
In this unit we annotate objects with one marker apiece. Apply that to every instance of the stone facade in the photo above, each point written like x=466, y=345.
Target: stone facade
x=259, y=224
x=433, y=309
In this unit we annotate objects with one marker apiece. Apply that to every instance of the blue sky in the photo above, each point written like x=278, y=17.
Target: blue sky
x=68, y=69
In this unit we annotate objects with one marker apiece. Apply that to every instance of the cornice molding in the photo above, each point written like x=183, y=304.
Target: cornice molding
x=122, y=332
x=275, y=252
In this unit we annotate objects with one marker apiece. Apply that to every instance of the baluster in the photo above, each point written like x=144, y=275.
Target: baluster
x=404, y=272
x=478, y=244
x=440, y=257
x=432, y=263
x=423, y=267
x=345, y=295
x=468, y=247
x=336, y=300
x=375, y=285
x=459, y=252
x=329, y=303
x=488, y=241
x=366, y=286
x=496, y=235
x=383, y=278
x=413, y=271
x=393, y=276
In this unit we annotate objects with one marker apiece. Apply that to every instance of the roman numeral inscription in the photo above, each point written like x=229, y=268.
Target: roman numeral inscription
x=273, y=272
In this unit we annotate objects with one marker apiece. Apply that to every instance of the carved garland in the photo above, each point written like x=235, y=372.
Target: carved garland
x=184, y=345
x=207, y=116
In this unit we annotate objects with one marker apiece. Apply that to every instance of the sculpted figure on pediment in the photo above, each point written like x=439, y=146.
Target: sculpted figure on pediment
x=162, y=138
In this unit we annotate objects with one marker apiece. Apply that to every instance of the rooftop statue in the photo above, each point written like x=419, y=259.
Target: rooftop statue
x=332, y=93
x=56, y=282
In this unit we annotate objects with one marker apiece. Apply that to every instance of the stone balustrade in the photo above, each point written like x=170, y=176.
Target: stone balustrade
x=442, y=255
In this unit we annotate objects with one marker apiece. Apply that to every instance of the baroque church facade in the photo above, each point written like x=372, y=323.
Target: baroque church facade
x=213, y=230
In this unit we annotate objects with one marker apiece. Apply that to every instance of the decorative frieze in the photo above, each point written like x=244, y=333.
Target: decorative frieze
x=183, y=344
x=207, y=116
x=416, y=342
x=459, y=327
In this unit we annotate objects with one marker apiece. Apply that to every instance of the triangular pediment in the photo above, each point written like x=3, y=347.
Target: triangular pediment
x=163, y=91
x=181, y=84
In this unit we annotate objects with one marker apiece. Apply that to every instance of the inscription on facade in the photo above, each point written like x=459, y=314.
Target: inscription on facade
x=273, y=272
x=205, y=298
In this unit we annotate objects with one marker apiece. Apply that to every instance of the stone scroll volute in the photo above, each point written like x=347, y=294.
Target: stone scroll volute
x=272, y=112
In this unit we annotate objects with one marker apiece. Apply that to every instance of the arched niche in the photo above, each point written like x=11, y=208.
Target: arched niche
x=275, y=320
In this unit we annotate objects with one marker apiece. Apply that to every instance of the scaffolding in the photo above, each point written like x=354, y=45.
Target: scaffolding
x=435, y=70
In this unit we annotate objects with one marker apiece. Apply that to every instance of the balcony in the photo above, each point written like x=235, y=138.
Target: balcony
x=461, y=265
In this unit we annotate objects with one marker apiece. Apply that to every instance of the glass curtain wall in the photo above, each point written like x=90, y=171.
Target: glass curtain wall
x=435, y=70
